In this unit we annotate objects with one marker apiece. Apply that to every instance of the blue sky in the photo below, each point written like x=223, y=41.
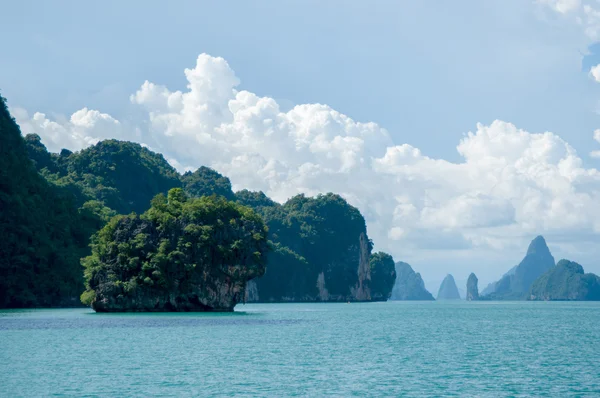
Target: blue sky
x=426, y=71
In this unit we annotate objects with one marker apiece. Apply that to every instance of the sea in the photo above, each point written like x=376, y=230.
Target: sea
x=388, y=349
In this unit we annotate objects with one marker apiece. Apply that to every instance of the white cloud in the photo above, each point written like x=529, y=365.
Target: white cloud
x=510, y=183
x=562, y=6
x=595, y=73
x=585, y=13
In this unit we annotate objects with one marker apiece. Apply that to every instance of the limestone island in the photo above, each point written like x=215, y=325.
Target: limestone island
x=183, y=254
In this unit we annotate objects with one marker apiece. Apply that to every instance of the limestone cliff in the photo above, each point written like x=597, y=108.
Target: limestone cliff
x=515, y=285
x=448, y=289
x=409, y=284
x=361, y=291
x=472, y=288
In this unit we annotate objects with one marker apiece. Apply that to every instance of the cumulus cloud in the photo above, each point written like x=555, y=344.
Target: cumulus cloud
x=585, y=13
x=510, y=182
x=595, y=73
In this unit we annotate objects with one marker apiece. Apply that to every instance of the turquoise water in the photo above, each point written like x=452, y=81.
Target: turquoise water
x=371, y=349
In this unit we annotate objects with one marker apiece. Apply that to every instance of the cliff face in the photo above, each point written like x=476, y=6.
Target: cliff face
x=472, y=288
x=409, y=284
x=362, y=291
x=516, y=285
x=448, y=289
x=566, y=281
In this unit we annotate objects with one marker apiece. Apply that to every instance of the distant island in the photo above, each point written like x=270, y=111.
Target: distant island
x=448, y=289
x=566, y=281
x=472, y=288
x=537, y=277
x=409, y=284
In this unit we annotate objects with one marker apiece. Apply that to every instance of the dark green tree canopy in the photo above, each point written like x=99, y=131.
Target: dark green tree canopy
x=182, y=254
x=383, y=275
x=42, y=234
x=205, y=182
x=123, y=175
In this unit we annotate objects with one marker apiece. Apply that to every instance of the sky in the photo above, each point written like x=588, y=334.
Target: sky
x=461, y=130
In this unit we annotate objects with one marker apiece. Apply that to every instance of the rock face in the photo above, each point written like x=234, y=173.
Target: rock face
x=361, y=291
x=177, y=256
x=472, y=289
x=566, y=281
x=409, y=284
x=448, y=289
x=516, y=285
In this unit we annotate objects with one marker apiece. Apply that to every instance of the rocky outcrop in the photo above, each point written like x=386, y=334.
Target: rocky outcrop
x=566, y=281
x=361, y=291
x=448, y=289
x=409, y=284
x=516, y=285
x=323, y=293
x=166, y=259
x=251, y=292
x=472, y=288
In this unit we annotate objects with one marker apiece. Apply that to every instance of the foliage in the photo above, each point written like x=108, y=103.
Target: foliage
x=325, y=231
x=286, y=278
x=256, y=200
x=205, y=182
x=383, y=275
x=566, y=281
x=176, y=256
x=124, y=176
x=42, y=234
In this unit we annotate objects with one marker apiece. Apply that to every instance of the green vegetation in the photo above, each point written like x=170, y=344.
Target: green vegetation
x=320, y=248
x=124, y=176
x=409, y=284
x=207, y=182
x=383, y=275
x=42, y=233
x=324, y=237
x=566, y=281
x=181, y=255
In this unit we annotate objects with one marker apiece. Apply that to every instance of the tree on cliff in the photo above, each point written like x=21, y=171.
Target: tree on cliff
x=383, y=275
x=181, y=255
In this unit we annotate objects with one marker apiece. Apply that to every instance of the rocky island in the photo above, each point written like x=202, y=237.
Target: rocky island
x=183, y=254
x=448, y=289
x=472, y=288
x=515, y=285
x=409, y=284
x=566, y=281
